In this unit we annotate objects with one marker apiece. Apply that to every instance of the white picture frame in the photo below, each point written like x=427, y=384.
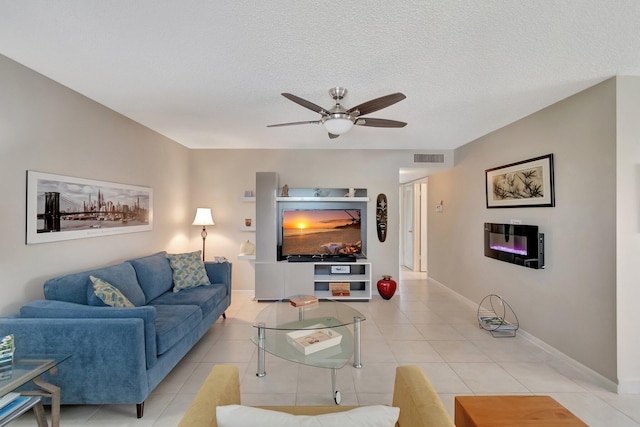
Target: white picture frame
x=63, y=208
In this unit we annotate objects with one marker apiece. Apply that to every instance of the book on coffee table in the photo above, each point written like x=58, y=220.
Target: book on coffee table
x=303, y=301
x=315, y=338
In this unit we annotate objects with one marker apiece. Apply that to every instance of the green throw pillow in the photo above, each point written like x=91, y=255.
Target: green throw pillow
x=188, y=271
x=109, y=294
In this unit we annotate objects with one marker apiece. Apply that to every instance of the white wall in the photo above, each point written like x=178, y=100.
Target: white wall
x=570, y=305
x=48, y=128
x=628, y=233
x=220, y=177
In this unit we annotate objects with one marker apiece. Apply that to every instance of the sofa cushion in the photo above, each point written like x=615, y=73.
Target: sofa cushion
x=188, y=270
x=121, y=276
x=173, y=322
x=206, y=297
x=109, y=294
x=154, y=274
x=365, y=416
x=76, y=287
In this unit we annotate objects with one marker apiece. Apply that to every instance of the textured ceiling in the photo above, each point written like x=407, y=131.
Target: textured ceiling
x=209, y=73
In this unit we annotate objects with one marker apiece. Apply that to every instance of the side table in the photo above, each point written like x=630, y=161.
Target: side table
x=516, y=411
x=30, y=368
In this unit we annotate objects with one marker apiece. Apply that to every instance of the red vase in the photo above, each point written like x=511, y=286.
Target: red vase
x=387, y=287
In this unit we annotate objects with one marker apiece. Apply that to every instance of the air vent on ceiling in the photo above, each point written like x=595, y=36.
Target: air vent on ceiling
x=428, y=158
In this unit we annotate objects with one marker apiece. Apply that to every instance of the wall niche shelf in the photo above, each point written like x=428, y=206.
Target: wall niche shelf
x=242, y=256
x=247, y=229
x=247, y=199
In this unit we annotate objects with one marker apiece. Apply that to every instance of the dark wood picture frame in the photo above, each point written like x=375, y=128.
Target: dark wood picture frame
x=528, y=183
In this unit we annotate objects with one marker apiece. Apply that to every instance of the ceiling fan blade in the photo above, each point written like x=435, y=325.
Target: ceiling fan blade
x=307, y=104
x=333, y=136
x=294, y=123
x=379, y=123
x=377, y=104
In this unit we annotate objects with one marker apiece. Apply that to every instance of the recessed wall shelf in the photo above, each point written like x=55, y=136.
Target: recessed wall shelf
x=247, y=229
x=242, y=256
x=247, y=199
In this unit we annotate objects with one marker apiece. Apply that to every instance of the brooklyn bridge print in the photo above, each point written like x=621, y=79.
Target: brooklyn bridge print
x=62, y=208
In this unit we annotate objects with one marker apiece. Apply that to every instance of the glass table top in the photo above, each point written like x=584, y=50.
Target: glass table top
x=26, y=368
x=282, y=315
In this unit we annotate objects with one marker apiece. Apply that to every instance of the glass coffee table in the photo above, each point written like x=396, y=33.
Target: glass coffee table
x=290, y=333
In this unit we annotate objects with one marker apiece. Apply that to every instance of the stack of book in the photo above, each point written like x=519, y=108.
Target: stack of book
x=11, y=403
x=303, y=301
x=315, y=338
x=6, y=357
x=340, y=289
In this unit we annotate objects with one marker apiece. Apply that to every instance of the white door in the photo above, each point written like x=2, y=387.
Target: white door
x=423, y=226
x=408, y=241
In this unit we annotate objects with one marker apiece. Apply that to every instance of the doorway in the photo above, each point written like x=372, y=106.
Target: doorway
x=413, y=225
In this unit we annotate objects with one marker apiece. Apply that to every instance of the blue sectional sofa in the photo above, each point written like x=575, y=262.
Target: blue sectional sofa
x=119, y=355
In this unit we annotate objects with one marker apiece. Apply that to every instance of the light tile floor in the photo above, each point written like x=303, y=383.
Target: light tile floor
x=422, y=324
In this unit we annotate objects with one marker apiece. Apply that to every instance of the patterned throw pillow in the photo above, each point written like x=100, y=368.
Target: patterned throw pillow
x=109, y=294
x=188, y=271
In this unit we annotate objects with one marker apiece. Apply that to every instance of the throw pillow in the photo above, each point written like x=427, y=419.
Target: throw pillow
x=109, y=294
x=188, y=271
x=365, y=416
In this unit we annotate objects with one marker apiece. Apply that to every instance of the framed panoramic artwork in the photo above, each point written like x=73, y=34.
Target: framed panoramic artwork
x=528, y=183
x=64, y=208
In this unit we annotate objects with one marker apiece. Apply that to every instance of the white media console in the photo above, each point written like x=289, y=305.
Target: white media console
x=276, y=279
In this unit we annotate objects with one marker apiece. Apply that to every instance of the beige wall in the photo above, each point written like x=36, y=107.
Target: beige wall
x=48, y=128
x=571, y=304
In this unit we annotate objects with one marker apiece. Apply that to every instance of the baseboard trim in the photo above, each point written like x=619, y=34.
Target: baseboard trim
x=629, y=386
x=589, y=373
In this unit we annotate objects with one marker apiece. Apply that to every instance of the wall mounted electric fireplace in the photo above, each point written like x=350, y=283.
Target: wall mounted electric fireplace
x=516, y=244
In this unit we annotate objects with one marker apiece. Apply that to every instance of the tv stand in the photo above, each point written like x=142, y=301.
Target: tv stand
x=275, y=278
x=356, y=274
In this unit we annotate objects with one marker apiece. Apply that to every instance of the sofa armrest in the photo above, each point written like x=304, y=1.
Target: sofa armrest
x=107, y=363
x=48, y=309
x=220, y=272
x=419, y=403
x=222, y=387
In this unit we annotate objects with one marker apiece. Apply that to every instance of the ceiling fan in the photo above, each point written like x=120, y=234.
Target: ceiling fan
x=338, y=120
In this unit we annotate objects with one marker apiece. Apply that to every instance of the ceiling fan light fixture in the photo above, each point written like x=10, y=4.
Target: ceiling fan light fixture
x=338, y=125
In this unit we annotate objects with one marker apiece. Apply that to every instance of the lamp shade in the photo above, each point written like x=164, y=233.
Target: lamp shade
x=338, y=125
x=203, y=217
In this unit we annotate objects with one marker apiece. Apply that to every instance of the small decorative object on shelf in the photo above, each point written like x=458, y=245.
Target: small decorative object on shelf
x=248, y=193
x=387, y=286
x=340, y=289
x=315, y=338
x=247, y=222
x=496, y=316
x=303, y=301
x=247, y=248
x=285, y=191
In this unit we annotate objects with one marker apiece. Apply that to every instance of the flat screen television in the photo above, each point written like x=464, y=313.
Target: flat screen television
x=321, y=232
